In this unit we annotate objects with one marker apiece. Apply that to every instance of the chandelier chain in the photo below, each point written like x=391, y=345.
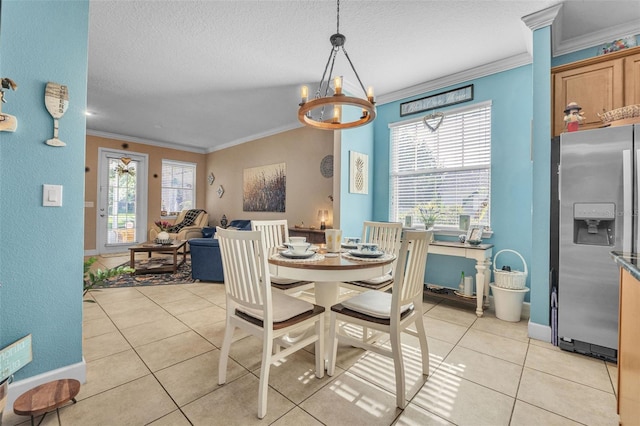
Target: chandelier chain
x=354, y=70
x=337, y=100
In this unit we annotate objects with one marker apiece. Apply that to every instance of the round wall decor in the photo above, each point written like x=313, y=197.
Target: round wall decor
x=326, y=166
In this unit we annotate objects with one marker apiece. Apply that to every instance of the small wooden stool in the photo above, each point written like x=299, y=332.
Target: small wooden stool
x=45, y=398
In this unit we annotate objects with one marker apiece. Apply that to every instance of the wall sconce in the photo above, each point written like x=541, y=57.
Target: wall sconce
x=322, y=217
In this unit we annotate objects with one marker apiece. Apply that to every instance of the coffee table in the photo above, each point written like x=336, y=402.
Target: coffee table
x=150, y=247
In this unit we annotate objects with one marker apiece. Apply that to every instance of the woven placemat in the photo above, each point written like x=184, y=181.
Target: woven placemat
x=315, y=258
x=382, y=258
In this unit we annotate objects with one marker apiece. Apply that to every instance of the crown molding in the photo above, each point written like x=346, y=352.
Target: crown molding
x=461, y=77
x=593, y=39
x=542, y=18
x=270, y=132
x=134, y=139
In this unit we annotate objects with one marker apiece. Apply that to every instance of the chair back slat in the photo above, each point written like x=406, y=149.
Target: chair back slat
x=385, y=234
x=245, y=268
x=274, y=232
x=408, y=285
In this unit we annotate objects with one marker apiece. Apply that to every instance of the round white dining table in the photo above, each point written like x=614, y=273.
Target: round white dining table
x=329, y=272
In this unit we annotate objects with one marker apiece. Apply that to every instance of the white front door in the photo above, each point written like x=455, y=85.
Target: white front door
x=122, y=200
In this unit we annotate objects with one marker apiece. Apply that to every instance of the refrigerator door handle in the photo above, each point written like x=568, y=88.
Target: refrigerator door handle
x=627, y=197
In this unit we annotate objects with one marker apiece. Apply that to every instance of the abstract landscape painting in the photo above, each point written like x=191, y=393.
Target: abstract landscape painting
x=264, y=188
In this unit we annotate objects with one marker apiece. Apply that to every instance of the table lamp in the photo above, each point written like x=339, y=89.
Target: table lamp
x=322, y=217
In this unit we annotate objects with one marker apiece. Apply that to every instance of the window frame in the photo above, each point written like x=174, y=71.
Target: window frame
x=168, y=162
x=394, y=210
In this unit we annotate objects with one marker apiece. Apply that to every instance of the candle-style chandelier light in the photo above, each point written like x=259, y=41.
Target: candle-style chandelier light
x=324, y=111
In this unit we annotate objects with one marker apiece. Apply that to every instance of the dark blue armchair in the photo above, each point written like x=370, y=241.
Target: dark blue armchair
x=206, y=262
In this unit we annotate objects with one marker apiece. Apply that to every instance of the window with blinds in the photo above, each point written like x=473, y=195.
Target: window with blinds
x=178, y=187
x=437, y=176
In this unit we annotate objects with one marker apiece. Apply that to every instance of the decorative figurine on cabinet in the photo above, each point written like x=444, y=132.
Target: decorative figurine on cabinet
x=573, y=117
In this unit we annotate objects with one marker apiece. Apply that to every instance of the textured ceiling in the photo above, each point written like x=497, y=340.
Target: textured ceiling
x=202, y=75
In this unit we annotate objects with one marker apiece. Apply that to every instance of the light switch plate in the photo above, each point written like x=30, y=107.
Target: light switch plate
x=52, y=195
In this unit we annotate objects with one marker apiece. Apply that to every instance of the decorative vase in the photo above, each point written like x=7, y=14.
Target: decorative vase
x=163, y=235
x=224, y=222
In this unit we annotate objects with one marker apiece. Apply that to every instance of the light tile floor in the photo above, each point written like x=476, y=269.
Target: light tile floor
x=152, y=358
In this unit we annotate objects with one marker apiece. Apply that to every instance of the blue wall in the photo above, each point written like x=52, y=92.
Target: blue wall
x=355, y=208
x=510, y=94
x=42, y=252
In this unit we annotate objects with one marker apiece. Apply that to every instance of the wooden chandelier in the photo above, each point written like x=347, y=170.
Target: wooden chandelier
x=312, y=112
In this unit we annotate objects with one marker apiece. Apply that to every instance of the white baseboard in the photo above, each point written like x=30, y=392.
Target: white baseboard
x=539, y=332
x=93, y=252
x=535, y=330
x=76, y=371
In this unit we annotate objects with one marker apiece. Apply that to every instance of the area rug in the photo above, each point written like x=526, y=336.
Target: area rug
x=182, y=276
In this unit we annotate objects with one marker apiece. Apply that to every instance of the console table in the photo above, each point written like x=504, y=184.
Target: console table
x=314, y=236
x=482, y=254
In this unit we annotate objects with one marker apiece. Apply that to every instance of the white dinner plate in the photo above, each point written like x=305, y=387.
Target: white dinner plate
x=288, y=254
x=367, y=254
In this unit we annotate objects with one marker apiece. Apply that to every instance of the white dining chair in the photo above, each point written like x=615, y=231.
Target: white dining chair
x=387, y=236
x=390, y=313
x=253, y=307
x=275, y=233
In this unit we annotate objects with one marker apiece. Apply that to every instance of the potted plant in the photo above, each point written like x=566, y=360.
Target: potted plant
x=163, y=235
x=429, y=214
x=97, y=278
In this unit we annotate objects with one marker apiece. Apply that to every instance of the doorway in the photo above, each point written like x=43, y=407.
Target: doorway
x=122, y=200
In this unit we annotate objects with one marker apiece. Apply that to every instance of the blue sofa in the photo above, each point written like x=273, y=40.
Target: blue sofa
x=240, y=224
x=206, y=262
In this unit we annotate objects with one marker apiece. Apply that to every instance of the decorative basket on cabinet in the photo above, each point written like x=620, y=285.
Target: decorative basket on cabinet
x=515, y=280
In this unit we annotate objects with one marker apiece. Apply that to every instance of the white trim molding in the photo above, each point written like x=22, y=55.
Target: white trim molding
x=461, y=77
x=76, y=371
x=134, y=139
x=539, y=331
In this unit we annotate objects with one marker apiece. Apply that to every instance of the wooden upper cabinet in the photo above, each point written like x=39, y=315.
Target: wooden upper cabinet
x=632, y=80
x=597, y=84
x=596, y=88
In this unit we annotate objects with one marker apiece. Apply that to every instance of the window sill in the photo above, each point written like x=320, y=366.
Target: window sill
x=448, y=232
x=458, y=232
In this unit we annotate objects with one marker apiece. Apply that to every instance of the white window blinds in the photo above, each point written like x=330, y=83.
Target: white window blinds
x=178, y=186
x=445, y=173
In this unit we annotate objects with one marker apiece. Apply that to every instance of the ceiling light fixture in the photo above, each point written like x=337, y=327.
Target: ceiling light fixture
x=312, y=112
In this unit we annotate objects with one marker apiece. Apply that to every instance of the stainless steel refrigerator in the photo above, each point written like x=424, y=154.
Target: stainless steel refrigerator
x=598, y=195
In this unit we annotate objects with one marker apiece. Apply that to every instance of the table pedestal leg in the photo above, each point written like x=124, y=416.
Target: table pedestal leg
x=327, y=295
x=482, y=286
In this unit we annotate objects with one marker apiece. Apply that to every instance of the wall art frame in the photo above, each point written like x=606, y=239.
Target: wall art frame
x=450, y=97
x=358, y=173
x=264, y=188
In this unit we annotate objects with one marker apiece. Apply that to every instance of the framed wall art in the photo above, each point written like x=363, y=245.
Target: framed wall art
x=264, y=188
x=451, y=97
x=474, y=234
x=358, y=173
